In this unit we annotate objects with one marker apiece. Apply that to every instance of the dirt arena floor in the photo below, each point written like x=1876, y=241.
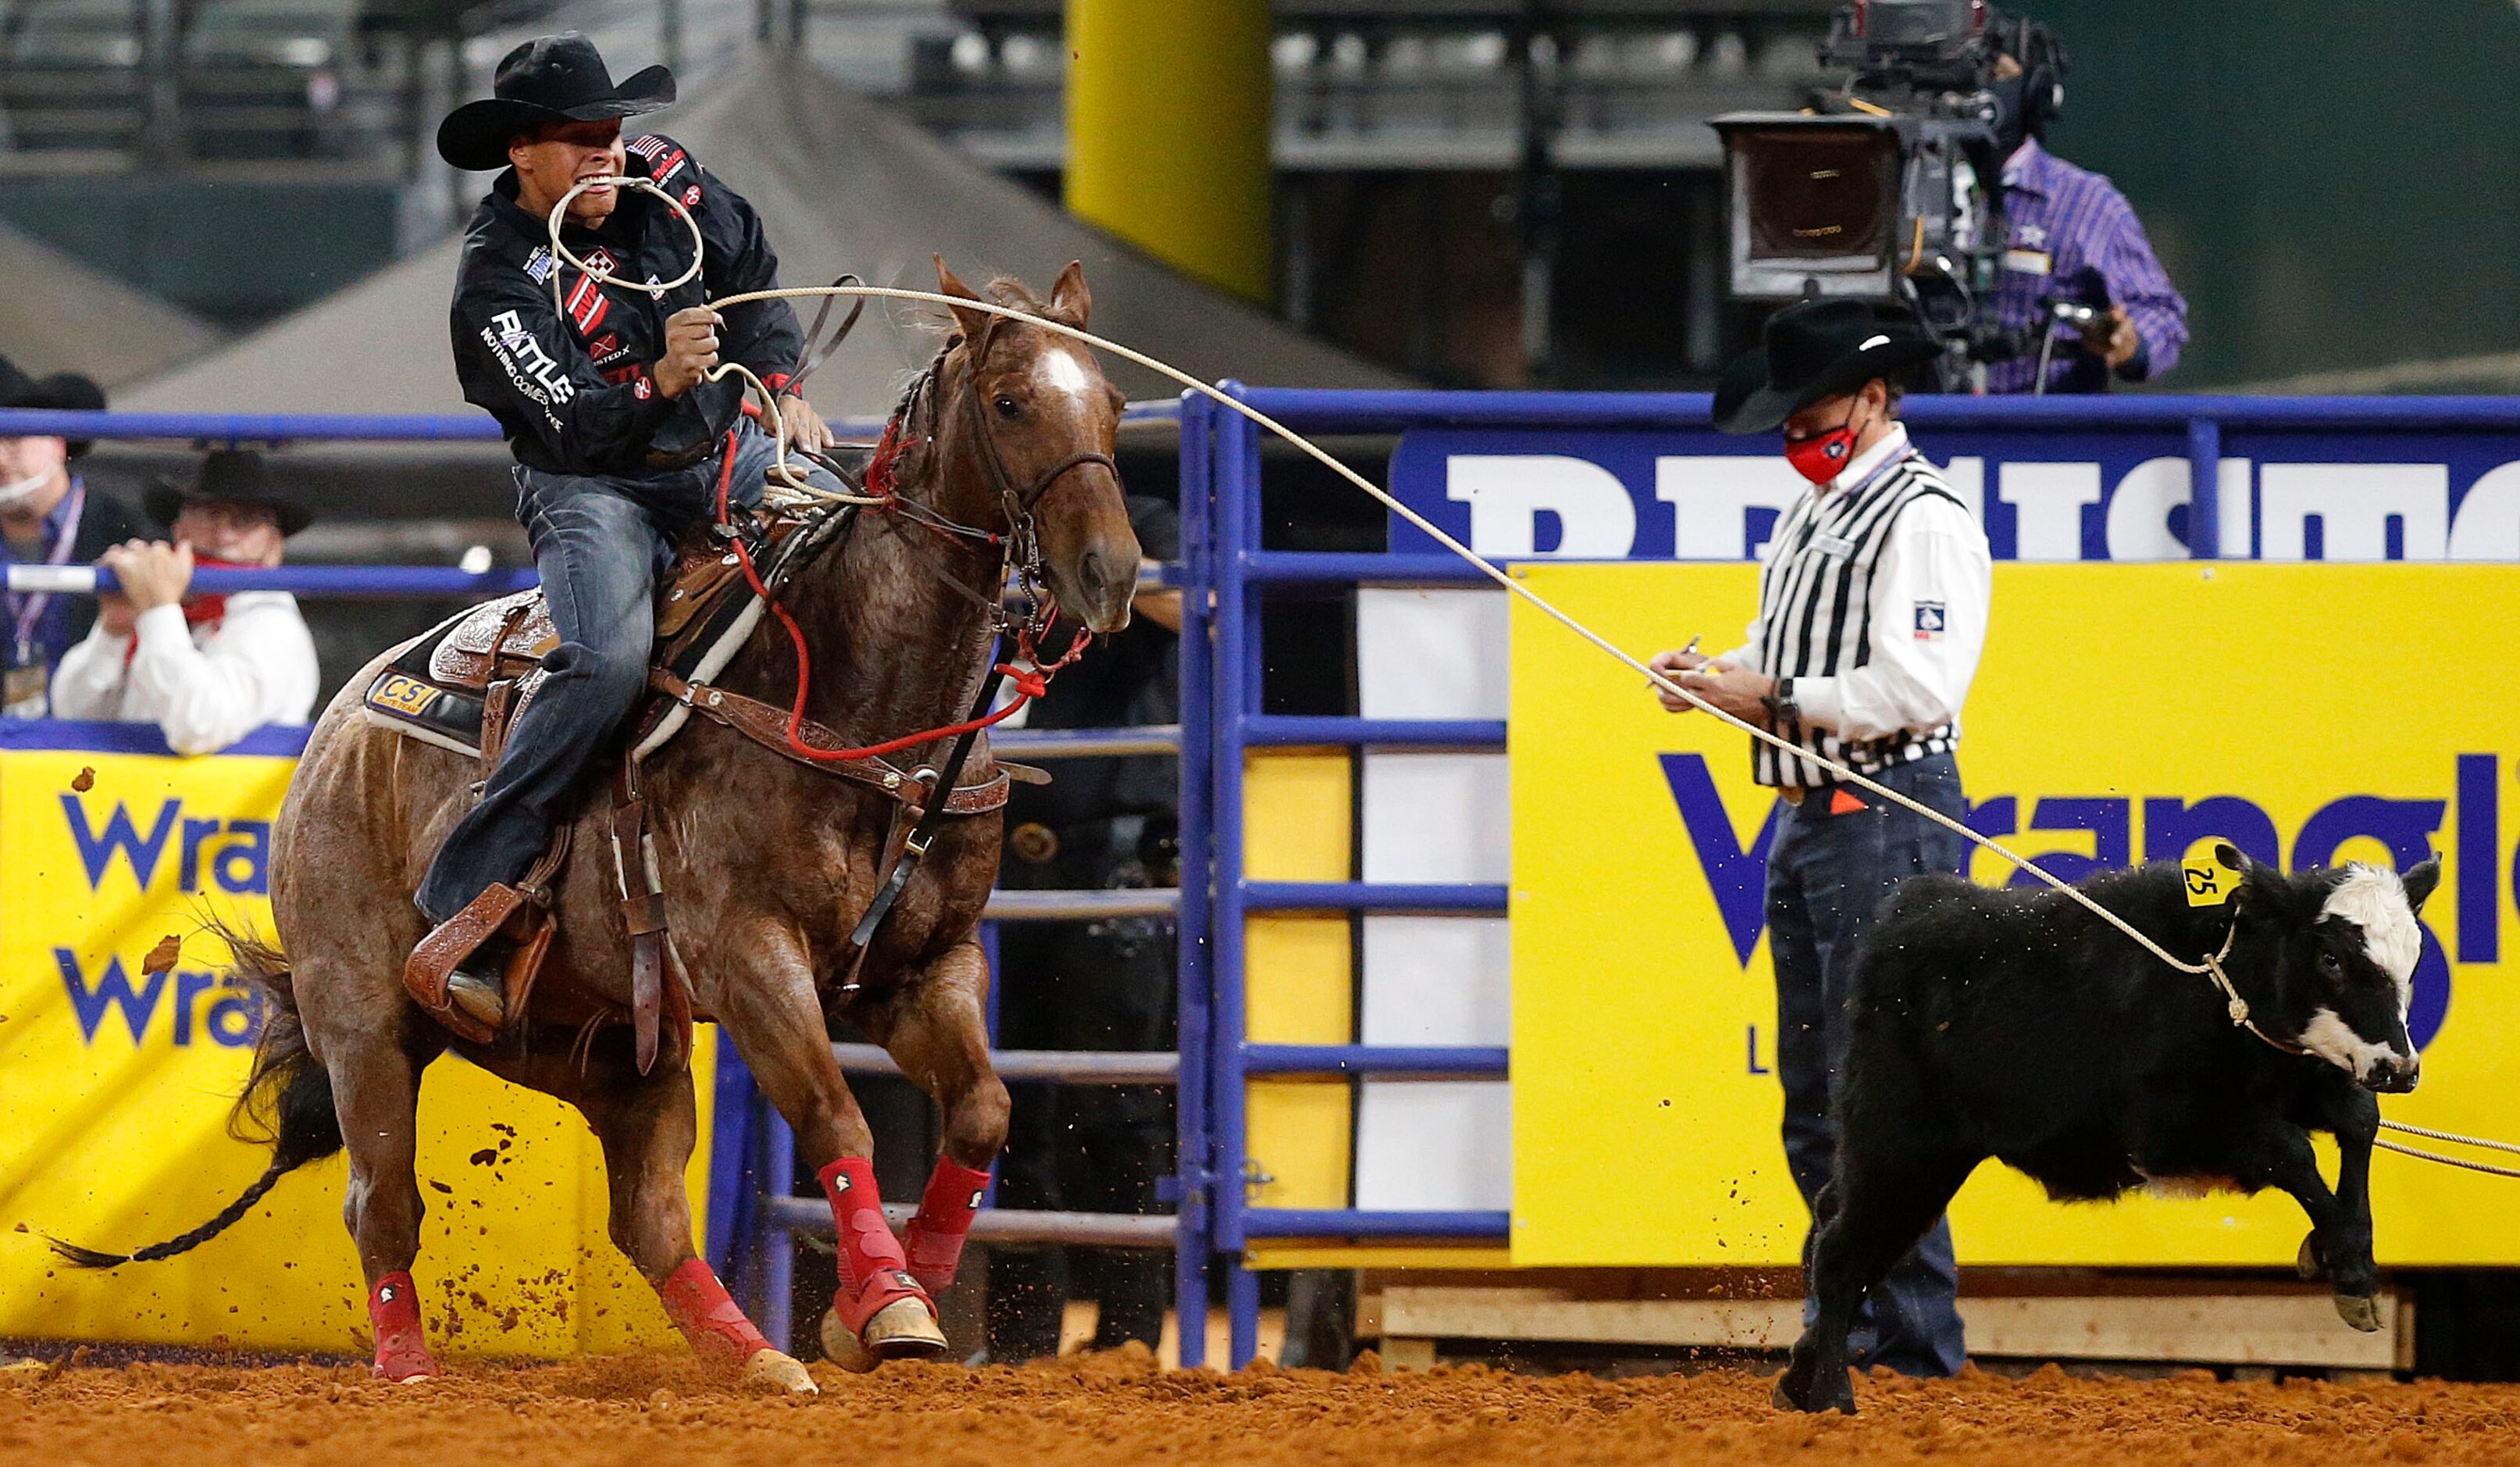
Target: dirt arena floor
x=1120, y=1410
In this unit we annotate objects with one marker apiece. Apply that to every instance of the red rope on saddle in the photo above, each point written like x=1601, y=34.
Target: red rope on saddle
x=1030, y=681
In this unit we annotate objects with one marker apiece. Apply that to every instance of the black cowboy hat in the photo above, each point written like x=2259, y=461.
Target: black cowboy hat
x=555, y=79
x=1810, y=350
x=228, y=475
x=60, y=391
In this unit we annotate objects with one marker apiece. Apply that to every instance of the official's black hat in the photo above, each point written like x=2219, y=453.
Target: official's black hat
x=63, y=392
x=556, y=78
x=1810, y=350
x=228, y=475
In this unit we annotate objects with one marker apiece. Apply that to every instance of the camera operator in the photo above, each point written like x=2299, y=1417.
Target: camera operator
x=2076, y=259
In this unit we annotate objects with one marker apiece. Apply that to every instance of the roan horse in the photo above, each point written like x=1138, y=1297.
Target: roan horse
x=769, y=865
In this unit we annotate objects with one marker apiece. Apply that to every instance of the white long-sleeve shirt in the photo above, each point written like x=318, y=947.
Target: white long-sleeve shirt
x=204, y=687
x=1901, y=671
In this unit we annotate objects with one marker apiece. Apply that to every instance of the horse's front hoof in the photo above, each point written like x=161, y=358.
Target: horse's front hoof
x=905, y=1329
x=771, y=1368
x=902, y=1330
x=2361, y=1310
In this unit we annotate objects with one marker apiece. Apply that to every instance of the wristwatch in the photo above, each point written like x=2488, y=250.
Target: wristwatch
x=1781, y=706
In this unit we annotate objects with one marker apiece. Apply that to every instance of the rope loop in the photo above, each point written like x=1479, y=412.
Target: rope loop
x=560, y=212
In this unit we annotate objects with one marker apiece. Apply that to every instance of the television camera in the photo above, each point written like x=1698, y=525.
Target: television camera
x=1888, y=187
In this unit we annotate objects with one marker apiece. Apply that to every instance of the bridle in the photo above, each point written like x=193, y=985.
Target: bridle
x=1020, y=538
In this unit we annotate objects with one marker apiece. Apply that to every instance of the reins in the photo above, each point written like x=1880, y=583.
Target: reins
x=2210, y=966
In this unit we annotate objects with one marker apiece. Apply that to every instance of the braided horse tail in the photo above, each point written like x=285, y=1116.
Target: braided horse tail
x=287, y=1104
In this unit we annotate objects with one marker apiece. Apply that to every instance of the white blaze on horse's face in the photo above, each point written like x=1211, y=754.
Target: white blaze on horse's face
x=1058, y=370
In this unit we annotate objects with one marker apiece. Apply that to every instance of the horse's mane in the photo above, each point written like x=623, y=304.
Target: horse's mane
x=1006, y=289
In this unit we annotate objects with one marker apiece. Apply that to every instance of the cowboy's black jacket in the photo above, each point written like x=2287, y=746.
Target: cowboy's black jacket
x=572, y=386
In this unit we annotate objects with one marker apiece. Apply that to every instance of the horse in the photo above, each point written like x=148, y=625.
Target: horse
x=769, y=865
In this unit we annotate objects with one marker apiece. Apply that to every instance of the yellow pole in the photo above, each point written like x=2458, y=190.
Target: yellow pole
x=1168, y=132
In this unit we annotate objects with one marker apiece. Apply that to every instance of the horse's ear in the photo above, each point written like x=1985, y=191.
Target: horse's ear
x=974, y=323
x=1071, y=301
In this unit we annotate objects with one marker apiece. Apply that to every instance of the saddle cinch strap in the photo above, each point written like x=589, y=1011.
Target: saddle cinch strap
x=767, y=727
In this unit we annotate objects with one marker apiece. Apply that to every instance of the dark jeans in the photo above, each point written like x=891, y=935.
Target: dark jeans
x=1827, y=877
x=599, y=542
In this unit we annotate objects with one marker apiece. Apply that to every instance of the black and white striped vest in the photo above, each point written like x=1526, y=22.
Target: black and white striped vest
x=1814, y=599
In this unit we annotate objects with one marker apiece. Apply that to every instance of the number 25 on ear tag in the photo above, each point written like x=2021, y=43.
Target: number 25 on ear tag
x=2209, y=882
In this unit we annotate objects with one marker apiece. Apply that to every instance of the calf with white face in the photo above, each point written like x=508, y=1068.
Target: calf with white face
x=2366, y=944
x=2016, y=1023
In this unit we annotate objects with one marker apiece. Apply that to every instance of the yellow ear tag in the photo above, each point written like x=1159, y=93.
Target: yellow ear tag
x=2210, y=883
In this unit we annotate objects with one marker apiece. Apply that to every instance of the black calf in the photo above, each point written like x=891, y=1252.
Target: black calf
x=2015, y=1024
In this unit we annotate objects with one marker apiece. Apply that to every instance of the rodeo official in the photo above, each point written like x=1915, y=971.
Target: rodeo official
x=1872, y=612
x=618, y=436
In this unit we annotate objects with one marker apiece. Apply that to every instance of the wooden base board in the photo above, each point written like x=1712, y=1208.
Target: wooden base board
x=2250, y=1327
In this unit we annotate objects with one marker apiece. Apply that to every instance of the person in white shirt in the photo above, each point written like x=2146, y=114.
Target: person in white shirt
x=1872, y=612
x=206, y=670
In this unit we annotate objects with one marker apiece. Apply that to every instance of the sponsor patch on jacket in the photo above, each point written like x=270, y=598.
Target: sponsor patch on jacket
x=599, y=260
x=692, y=196
x=1929, y=620
x=587, y=304
x=540, y=264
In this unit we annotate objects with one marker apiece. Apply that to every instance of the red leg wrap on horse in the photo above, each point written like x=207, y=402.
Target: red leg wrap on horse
x=709, y=1317
x=874, y=1272
x=945, y=1209
x=402, y=1348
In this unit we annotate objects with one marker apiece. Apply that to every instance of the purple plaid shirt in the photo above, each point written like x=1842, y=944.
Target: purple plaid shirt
x=2072, y=236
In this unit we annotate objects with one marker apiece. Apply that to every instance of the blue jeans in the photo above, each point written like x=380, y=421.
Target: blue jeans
x=1827, y=875
x=599, y=542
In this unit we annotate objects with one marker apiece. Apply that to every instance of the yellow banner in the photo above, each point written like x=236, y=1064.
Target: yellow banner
x=2309, y=714
x=115, y=1081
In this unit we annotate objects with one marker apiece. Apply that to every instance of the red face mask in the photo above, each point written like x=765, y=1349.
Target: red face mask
x=1824, y=456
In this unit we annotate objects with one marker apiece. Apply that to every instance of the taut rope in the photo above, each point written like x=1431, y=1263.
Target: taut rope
x=2211, y=967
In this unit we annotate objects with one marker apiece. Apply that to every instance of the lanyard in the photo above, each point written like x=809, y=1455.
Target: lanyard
x=1906, y=453
x=30, y=609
